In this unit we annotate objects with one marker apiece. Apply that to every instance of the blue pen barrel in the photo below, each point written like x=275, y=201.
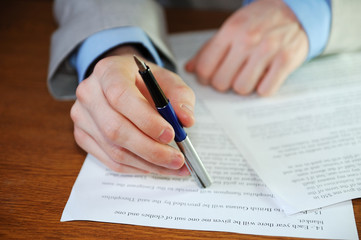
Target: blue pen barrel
x=192, y=160
x=168, y=114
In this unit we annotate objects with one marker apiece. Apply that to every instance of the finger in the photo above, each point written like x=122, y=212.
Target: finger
x=124, y=161
x=233, y=63
x=180, y=95
x=123, y=95
x=125, y=157
x=261, y=58
x=249, y=75
x=190, y=65
x=284, y=64
x=86, y=142
x=210, y=56
x=115, y=152
x=118, y=130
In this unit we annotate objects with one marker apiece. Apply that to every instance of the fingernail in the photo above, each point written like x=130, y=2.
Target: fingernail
x=166, y=136
x=187, y=108
x=177, y=160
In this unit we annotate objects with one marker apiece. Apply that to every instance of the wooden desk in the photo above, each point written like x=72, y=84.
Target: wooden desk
x=38, y=157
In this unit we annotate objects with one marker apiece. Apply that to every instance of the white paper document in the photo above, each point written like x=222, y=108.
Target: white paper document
x=305, y=142
x=239, y=200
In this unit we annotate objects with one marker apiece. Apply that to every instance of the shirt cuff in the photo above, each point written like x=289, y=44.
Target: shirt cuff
x=315, y=18
x=99, y=43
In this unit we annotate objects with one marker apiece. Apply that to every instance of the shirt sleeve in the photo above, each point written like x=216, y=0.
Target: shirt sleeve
x=99, y=43
x=315, y=17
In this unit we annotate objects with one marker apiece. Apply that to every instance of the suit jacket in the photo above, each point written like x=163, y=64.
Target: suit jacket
x=81, y=18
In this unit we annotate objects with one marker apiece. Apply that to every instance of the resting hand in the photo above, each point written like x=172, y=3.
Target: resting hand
x=255, y=49
x=115, y=119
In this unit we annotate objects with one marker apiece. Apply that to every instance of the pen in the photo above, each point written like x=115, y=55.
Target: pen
x=192, y=160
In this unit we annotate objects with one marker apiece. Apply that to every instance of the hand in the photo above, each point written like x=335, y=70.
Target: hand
x=255, y=49
x=116, y=121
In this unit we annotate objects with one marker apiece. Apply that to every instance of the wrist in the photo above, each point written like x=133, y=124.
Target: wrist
x=124, y=50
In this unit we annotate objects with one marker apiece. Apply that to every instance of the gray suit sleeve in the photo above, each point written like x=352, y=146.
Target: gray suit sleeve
x=81, y=18
x=345, y=32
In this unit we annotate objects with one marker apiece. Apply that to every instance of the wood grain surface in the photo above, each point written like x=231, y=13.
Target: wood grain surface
x=39, y=160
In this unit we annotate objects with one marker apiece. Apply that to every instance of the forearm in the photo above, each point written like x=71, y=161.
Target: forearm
x=80, y=19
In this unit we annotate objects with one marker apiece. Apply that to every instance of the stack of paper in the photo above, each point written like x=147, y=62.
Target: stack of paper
x=292, y=153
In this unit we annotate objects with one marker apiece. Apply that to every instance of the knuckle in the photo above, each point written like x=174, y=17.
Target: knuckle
x=268, y=45
x=74, y=112
x=250, y=37
x=158, y=156
x=151, y=125
x=284, y=57
x=118, y=154
x=79, y=136
x=111, y=132
x=82, y=92
x=102, y=65
x=115, y=94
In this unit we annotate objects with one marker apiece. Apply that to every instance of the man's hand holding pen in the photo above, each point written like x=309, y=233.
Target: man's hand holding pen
x=164, y=107
x=114, y=116
x=115, y=119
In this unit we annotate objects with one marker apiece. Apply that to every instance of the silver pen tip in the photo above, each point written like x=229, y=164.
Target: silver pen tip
x=141, y=65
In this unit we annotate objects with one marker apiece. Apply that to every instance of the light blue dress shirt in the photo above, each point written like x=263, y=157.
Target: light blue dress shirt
x=314, y=16
x=99, y=43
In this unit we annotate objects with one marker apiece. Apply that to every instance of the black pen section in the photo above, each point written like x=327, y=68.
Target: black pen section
x=159, y=99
